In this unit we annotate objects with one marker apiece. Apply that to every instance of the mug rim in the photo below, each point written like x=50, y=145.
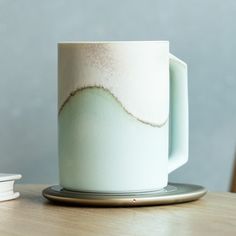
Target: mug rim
x=64, y=43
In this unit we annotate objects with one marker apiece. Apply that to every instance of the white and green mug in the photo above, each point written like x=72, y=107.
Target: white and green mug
x=123, y=115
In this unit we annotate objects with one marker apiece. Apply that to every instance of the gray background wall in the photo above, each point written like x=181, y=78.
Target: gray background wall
x=202, y=33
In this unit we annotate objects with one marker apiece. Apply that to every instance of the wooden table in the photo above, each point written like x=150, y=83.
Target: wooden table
x=31, y=214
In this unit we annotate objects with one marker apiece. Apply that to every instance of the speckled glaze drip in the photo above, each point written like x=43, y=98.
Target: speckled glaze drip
x=135, y=73
x=106, y=90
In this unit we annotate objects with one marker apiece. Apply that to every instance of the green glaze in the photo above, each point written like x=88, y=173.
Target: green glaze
x=103, y=148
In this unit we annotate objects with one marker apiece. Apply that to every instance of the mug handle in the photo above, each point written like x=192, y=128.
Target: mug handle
x=178, y=143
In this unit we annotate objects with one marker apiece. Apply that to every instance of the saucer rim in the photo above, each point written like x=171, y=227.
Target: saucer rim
x=179, y=193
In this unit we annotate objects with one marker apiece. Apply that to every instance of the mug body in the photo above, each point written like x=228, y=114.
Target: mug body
x=113, y=109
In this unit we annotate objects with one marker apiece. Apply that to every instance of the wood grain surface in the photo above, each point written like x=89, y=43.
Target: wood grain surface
x=31, y=214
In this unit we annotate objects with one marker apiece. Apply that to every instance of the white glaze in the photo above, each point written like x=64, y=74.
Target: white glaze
x=136, y=73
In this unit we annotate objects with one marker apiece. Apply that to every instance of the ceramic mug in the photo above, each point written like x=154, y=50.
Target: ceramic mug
x=123, y=115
